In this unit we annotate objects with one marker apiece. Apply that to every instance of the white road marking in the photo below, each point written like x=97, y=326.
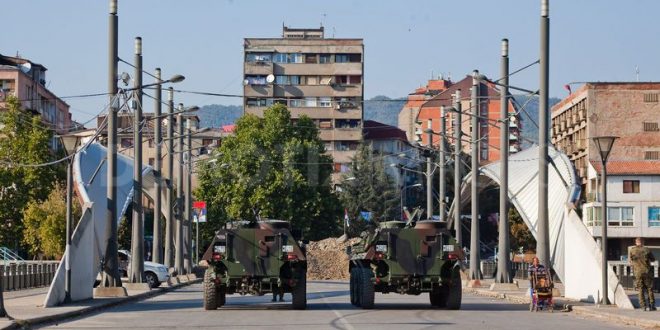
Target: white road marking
x=339, y=315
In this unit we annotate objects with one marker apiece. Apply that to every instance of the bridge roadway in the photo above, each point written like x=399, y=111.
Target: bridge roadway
x=328, y=308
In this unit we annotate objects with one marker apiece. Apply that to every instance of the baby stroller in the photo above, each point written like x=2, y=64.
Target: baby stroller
x=541, y=292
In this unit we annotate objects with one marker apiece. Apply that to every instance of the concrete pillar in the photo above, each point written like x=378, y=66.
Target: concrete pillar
x=13, y=279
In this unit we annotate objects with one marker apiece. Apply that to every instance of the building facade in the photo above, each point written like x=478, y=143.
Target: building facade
x=27, y=81
x=489, y=119
x=631, y=112
x=322, y=78
x=410, y=111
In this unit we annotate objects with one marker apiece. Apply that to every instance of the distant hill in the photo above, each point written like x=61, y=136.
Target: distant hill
x=530, y=132
x=383, y=109
x=217, y=115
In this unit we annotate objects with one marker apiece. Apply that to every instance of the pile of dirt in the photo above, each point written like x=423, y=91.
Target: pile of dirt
x=327, y=259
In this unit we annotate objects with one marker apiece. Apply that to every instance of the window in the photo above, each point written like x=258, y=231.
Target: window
x=151, y=161
x=287, y=80
x=325, y=102
x=620, y=216
x=256, y=80
x=631, y=186
x=325, y=80
x=311, y=58
x=127, y=142
x=341, y=58
x=325, y=124
x=207, y=142
x=294, y=80
x=295, y=58
x=150, y=143
x=259, y=102
x=324, y=58
x=280, y=58
x=652, y=155
x=651, y=97
x=593, y=216
x=654, y=216
x=651, y=126
x=312, y=80
x=296, y=103
x=258, y=57
x=347, y=123
x=309, y=102
x=329, y=146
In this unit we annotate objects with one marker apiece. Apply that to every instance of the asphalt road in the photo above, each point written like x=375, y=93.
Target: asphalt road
x=328, y=308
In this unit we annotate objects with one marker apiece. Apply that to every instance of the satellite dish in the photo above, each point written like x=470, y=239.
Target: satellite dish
x=270, y=78
x=25, y=67
x=246, y=82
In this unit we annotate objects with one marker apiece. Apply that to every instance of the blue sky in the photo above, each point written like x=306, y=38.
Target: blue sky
x=405, y=41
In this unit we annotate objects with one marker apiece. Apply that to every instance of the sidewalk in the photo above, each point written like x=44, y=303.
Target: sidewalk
x=635, y=317
x=26, y=306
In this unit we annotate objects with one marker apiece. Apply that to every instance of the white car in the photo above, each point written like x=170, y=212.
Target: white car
x=154, y=273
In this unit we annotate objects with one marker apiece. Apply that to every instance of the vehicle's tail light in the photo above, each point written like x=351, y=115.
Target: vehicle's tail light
x=452, y=256
x=291, y=257
x=217, y=256
x=379, y=256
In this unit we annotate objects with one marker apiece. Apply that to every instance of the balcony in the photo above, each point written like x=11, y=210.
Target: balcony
x=258, y=90
x=326, y=69
x=513, y=137
x=258, y=68
x=562, y=125
x=341, y=134
x=513, y=149
x=317, y=90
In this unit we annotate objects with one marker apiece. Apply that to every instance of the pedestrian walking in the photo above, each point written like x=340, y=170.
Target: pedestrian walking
x=640, y=258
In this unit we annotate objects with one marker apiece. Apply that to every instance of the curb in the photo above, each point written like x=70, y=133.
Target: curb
x=28, y=323
x=560, y=303
x=605, y=316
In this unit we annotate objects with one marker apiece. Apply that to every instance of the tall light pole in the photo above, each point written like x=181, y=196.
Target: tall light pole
x=429, y=169
x=179, y=256
x=604, y=145
x=156, y=253
x=70, y=144
x=543, y=234
x=503, y=263
x=137, y=235
x=442, y=192
x=457, y=169
x=475, y=255
x=188, y=213
x=110, y=260
x=169, y=198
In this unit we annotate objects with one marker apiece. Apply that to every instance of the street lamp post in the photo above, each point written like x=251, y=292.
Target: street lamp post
x=403, y=189
x=137, y=234
x=169, y=196
x=475, y=107
x=429, y=176
x=70, y=143
x=457, y=169
x=604, y=145
x=157, y=252
x=503, y=264
x=442, y=150
x=178, y=257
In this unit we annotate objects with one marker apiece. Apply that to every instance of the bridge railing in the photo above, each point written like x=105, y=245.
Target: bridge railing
x=27, y=274
x=627, y=278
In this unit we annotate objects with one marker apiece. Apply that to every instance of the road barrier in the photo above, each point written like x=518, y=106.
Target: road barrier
x=27, y=274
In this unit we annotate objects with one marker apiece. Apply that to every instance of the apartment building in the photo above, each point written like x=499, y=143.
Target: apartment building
x=630, y=111
x=203, y=140
x=489, y=116
x=319, y=77
x=26, y=80
x=410, y=111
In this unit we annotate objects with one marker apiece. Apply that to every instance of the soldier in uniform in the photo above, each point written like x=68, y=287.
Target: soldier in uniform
x=640, y=258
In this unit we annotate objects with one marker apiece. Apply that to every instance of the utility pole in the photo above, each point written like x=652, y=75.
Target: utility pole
x=110, y=259
x=429, y=171
x=543, y=235
x=3, y=312
x=457, y=169
x=156, y=253
x=169, y=220
x=475, y=255
x=180, y=199
x=137, y=234
x=441, y=163
x=188, y=191
x=503, y=263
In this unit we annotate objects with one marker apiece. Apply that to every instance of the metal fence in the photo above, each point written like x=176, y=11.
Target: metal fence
x=626, y=277
x=27, y=274
x=518, y=269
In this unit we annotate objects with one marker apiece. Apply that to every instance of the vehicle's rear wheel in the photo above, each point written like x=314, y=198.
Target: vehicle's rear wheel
x=438, y=296
x=210, y=292
x=454, y=290
x=352, y=287
x=299, y=294
x=151, y=279
x=366, y=291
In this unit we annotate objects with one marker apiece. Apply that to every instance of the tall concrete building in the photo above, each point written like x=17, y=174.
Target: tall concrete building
x=26, y=80
x=630, y=111
x=319, y=77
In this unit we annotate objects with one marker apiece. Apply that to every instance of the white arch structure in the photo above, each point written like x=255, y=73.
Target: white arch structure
x=89, y=240
x=575, y=255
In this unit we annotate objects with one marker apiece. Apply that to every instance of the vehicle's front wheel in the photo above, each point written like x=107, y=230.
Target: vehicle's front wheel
x=151, y=279
x=353, y=286
x=299, y=294
x=366, y=291
x=210, y=292
x=438, y=296
x=455, y=290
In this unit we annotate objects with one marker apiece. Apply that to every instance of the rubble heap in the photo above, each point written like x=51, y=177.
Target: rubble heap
x=327, y=259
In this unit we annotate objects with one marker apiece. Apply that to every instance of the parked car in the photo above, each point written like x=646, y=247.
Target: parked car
x=154, y=273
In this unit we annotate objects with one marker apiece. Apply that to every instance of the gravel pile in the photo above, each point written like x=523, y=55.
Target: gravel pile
x=327, y=259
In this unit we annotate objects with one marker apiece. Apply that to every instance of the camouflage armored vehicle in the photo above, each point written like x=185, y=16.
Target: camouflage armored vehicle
x=406, y=258
x=257, y=257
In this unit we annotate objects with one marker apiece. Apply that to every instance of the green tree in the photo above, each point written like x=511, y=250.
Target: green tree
x=372, y=190
x=520, y=234
x=45, y=224
x=23, y=140
x=271, y=168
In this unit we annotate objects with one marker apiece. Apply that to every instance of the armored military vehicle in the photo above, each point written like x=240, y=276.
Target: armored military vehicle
x=256, y=257
x=406, y=258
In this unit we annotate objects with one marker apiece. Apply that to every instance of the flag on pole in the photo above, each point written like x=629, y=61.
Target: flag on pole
x=346, y=217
